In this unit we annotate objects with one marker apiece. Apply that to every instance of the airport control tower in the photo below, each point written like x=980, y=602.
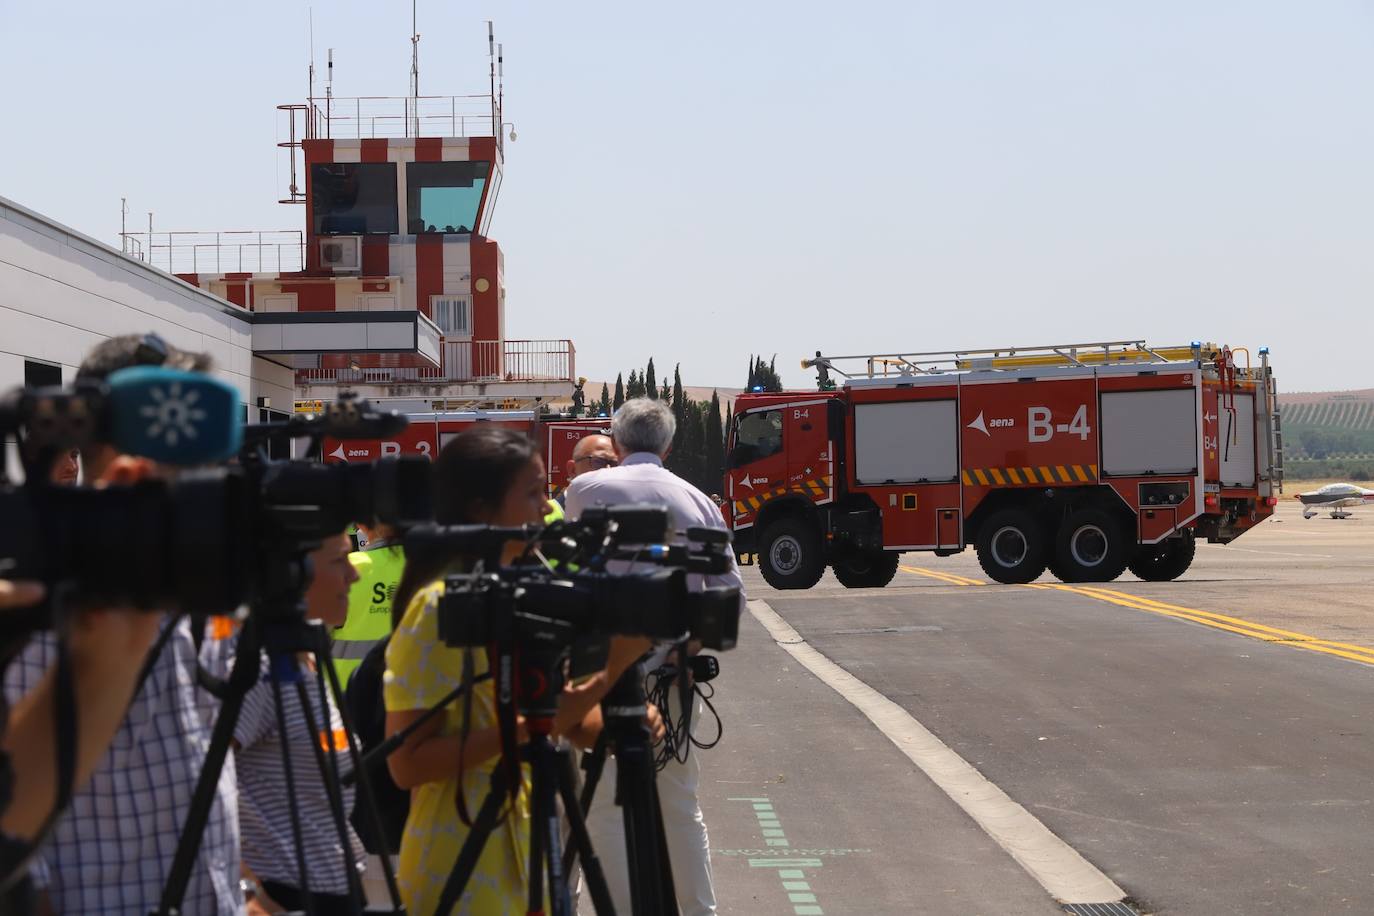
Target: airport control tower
x=392, y=288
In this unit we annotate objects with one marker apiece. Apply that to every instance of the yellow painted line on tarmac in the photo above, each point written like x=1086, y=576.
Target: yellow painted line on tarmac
x=951, y=578
x=1237, y=625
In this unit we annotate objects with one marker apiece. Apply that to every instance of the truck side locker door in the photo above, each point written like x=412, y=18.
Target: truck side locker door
x=807, y=435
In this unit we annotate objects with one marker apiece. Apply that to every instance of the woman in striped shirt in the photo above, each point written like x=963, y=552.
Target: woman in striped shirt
x=270, y=854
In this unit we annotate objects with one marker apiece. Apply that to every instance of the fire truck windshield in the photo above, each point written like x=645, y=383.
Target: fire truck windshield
x=758, y=436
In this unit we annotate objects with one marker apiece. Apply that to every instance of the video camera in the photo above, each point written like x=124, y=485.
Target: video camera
x=578, y=595
x=204, y=540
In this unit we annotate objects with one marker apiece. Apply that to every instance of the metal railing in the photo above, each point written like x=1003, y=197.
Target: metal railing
x=239, y=251
x=465, y=361
x=371, y=116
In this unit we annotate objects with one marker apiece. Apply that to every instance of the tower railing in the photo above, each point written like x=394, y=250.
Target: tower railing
x=371, y=116
x=236, y=251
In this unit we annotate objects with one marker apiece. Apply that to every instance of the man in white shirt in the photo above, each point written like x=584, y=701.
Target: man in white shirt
x=642, y=431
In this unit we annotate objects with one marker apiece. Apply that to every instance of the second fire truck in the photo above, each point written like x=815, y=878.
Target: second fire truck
x=1083, y=459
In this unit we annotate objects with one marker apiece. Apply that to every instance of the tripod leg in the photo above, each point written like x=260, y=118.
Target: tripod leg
x=472, y=847
x=291, y=802
x=328, y=765
x=364, y=784
x=241, y=680
x=665, y=863
x=581, y=840
x=593, y=764
x=536, y=870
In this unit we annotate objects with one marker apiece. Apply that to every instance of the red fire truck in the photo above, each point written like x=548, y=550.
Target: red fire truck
x=1085, y=459
x=428, y=432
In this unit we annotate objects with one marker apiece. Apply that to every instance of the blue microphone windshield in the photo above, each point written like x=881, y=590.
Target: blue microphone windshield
x=173, y=416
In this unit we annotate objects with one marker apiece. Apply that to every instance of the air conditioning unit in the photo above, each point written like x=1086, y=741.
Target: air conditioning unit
x=341, y=254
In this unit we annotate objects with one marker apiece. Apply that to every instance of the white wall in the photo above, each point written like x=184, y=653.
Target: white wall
x=61, y=293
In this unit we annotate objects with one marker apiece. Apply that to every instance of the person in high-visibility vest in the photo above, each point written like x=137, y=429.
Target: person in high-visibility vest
x=379, y=566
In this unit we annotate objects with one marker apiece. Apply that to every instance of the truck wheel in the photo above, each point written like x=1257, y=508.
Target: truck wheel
x=866, y=569
x=1011, y=547
x=791, y=554
x=1091, y=547
x=1165, y=561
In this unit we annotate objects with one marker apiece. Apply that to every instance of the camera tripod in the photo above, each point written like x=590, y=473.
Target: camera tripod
x=531, y=680
x=552, y=779
x=636, y=792
x=282, y=637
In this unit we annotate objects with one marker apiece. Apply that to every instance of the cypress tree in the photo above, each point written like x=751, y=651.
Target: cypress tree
x=635, y=387
x=619, y=392
x=603, y=406
x=651, y=380
x=714, y=474
x=665, y=394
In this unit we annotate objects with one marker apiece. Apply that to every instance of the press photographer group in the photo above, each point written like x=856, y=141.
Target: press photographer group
x=177, y=735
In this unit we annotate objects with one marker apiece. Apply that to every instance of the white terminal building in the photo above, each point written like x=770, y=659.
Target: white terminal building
x=390, y=288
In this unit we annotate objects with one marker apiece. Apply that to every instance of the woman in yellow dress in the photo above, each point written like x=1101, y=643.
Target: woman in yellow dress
x=487, y=476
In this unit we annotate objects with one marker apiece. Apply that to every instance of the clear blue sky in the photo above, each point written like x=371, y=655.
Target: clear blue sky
x=698, y=181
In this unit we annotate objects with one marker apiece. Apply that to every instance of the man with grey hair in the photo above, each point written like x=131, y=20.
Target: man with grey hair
x=642, y=433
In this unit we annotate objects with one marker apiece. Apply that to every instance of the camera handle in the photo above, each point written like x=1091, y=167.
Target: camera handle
x=280, y=638
x=651, y=876
x=551, y=778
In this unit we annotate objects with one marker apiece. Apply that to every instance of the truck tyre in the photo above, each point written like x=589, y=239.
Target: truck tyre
x=1091, y=546
x=1012, y=547
x=1165, y=561
x=790, y=554
x=866, y=569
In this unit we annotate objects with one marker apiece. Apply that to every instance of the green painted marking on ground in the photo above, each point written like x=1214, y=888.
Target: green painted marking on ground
x=789, y=870
x=788, y=865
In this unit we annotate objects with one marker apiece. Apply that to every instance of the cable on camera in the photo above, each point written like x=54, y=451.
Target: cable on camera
x=678, y=739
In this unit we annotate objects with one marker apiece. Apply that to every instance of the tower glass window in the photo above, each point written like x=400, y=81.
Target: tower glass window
x=354, y=198
x=444, y=196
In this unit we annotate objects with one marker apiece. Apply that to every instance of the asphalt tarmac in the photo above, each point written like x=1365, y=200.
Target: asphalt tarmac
x=1206, y=743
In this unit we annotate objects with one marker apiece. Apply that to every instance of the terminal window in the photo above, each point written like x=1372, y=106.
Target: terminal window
x=41, y=375
x=354, y=198
x=444, y=197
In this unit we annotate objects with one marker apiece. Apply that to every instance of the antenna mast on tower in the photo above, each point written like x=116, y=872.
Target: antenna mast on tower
x=491, y=59
x=415, y=66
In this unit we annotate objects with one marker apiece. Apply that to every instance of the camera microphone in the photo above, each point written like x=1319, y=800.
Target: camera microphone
x=173, y=416
x=168, y=415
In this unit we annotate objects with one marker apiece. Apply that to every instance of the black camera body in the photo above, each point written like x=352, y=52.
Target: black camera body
x=578, y=597
x=205, y=540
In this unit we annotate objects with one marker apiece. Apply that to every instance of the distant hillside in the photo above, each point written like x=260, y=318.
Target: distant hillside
x=1328, y=434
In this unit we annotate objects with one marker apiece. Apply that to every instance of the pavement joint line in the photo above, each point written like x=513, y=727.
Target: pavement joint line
x=1237, y=625
x=1057, y=866
x=793, y=884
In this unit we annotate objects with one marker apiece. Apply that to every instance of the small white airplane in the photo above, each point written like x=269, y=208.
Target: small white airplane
x=1337, y=497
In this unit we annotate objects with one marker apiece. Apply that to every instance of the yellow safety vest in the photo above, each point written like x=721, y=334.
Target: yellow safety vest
x=369, y=606
x=555, y=513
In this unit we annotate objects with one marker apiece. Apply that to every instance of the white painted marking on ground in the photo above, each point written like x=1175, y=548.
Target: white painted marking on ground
x=1058, y=867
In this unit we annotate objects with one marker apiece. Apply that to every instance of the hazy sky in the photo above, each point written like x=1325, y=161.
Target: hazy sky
x=697, y=181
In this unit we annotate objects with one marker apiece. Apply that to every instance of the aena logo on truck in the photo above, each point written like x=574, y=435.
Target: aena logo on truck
x=1041, y=426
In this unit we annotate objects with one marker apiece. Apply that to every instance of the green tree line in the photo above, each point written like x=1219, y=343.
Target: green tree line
x=698, y=454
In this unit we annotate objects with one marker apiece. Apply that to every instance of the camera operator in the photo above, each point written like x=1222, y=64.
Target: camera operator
x=112, y=848
x=269, y=846
x=642, y=432
x=488, y=476
x=99, y=644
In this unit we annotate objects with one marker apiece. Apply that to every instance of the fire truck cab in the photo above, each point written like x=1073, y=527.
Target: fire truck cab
x=1084, y=459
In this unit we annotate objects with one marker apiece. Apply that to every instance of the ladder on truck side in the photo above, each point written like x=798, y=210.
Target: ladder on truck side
x=937, y=362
